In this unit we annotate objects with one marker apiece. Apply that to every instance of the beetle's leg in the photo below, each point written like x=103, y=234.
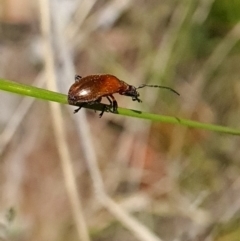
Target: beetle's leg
x=110, y=101
x=103, y=110
x=77, y=77
x=97, y=101
x=79, y=108
x=114, y=103
x=136, y=98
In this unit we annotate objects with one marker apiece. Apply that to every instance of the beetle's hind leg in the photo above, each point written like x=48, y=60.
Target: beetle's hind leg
x=104, y=106
x=79, y=108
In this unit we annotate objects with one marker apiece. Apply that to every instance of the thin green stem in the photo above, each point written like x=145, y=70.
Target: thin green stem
x=32, y=91
x=178, y=121
x=44, y=94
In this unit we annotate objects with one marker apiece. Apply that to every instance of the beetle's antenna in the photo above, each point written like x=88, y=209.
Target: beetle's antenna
x=158, y=86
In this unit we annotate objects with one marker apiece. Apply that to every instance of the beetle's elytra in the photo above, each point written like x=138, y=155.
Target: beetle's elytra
x=91, y=89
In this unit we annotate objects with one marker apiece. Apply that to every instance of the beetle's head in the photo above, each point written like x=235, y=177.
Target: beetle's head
x=132, y=92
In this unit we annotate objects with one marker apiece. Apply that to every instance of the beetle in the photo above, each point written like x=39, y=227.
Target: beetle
x=90, y=90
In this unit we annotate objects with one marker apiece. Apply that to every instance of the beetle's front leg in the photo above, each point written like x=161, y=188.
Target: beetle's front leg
x=113, y=103
x=136, y=98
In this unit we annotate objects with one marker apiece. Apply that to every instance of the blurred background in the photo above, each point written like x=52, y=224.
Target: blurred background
x=179, y=183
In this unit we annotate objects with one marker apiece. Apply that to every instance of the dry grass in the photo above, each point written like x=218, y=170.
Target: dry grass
x=78, y=177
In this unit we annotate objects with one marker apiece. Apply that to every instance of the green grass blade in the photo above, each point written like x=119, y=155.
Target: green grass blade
x=178, y=121
x=44, y=94
x=32, y=91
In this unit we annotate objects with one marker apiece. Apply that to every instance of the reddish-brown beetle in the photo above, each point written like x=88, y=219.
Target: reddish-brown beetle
x=91, y=89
